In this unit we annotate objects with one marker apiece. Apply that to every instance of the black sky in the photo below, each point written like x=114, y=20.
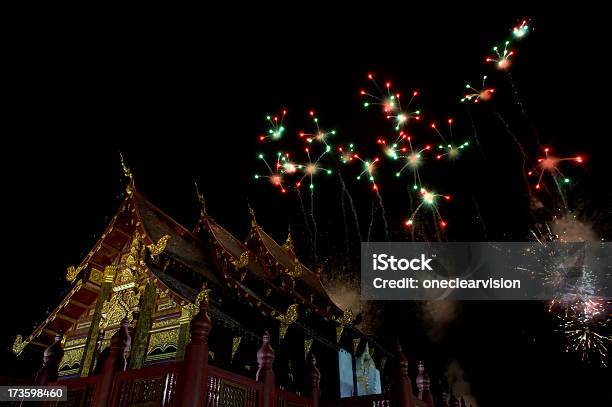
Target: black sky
x=186, y=103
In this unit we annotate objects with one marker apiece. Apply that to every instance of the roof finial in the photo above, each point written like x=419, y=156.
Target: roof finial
x=252, y=213
x=288, y=245
x=128, y=174
x=200, y=200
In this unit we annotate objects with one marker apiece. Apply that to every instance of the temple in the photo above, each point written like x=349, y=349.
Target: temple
x=136, y=295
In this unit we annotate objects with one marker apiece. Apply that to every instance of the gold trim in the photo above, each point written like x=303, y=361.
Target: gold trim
x=72, y=272
x=157, y=248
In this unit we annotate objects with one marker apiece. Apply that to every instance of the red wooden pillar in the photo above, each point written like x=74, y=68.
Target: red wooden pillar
x=314, y=380
x=193, y=383
x=116, y=362
x=265, y=374
x=423, y=384
x=51, y=360
x=403, y=386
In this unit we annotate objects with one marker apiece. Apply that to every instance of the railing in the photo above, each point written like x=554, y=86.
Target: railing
x=192, y=382
x=153, y=385
x=80, y=391
x=230, y=389
x=285, y=398
x=373, y=400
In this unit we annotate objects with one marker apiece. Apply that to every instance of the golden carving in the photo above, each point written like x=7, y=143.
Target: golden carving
x=203, y=295
x=192, y=309
x=383, y=362
x=109, y=273
x=356, y=343
x=288, y=245
x=307, y=346
x=242, y=261
x=134, y=259
x=166, y=305
x=18, y=345
x=120, y=305
x=346, y=318
x=96, y=276
x=75, y=342
x=201, y=201
x=297, y=270
x=72, y=357
x=165, y=323
x=72, y=272
x=339, y=330
x=235, y=344
x=157, y=248
x=252, y=213
x=162, y=340
x=287, y=319
x=290, y=316
x=128, y=174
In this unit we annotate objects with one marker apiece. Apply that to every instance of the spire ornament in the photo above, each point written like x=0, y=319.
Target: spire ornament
x=128, y=174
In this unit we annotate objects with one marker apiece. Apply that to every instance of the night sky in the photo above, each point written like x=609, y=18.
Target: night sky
x=187, y=105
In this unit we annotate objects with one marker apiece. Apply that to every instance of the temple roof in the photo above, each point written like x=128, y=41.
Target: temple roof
x=137, y=215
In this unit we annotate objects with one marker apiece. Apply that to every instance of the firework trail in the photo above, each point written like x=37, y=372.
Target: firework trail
x=352, y=204
x=482, y=223
x=346, y=228
x=518, y=144
x=306, y=222
x=474, y=131
x=383, y=213
x=371, y=220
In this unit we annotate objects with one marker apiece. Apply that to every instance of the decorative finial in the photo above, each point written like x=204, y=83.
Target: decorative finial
x=128, y=174
x=72, y=272
x=200, y=201
x=19, y=345
x=288, y=245
x=252, y=213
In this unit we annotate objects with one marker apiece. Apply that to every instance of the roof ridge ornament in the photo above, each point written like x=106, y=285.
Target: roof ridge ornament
x=201, y=200
x=72, y=272
x=155, y=249
x=19, y=345
x=288, y=245
x=127, y=172
x=252, y=213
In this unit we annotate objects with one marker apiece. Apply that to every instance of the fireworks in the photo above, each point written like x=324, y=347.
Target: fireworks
x=311, y=168
x=476, y=95
x=347, y=154
x=550, y=164
x=391, y=105
x=448, y=148
x=501, y=57
x=413, y=159
x=369, y=166
x=520, y=30
x=586, y=336
x=276, y=173
x=276, y=129
x=429, y=199
x=318, y=135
